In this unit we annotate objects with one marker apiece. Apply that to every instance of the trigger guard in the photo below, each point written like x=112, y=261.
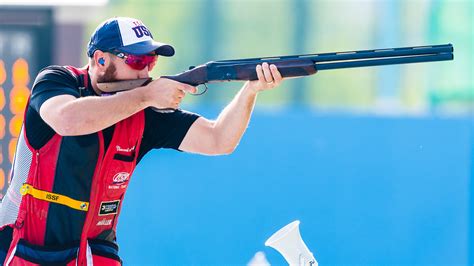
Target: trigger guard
x=200, y=93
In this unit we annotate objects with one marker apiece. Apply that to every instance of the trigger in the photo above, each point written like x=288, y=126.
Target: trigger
x=202, y=92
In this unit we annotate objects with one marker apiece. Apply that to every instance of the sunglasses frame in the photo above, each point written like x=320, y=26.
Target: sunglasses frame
x=135, y=58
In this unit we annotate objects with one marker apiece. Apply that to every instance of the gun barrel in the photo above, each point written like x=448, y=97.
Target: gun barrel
x=384, y=61
x=382, y=53
x=349, y=55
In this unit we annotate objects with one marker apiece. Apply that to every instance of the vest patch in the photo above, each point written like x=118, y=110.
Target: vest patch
x=120, y=178
x=109, y=207
x=104, y=222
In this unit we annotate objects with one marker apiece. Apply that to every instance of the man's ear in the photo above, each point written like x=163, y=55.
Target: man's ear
x=100, y=59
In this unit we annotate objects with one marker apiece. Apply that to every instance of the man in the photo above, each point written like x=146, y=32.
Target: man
x=78, y=147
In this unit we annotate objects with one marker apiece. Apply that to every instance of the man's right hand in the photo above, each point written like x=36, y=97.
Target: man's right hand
x=71, y=116
x=165, y=93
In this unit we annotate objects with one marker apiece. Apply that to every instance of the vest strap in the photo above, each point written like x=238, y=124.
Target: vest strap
x=54, y=197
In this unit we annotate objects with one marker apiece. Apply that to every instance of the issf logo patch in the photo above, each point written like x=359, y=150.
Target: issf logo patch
x=109, y=207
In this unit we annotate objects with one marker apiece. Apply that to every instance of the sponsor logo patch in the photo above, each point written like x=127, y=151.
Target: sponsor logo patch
x=125, y=149
x=52, y=197
x=109, y=207
x=104, y=222
x=120, y=178
x=119, y=181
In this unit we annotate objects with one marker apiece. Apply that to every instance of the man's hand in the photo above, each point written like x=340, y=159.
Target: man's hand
x=223, y=135
x=166, y=93
x=268, y=78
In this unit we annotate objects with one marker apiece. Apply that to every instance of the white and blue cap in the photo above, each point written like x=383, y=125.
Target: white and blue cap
x=126, y=35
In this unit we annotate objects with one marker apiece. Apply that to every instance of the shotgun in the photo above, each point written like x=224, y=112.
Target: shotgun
x=295, y=65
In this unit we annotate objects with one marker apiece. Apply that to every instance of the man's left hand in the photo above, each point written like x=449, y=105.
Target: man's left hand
x=268, y=78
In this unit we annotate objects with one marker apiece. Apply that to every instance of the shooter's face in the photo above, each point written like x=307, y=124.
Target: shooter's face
x=130, y=69
x=122, y=69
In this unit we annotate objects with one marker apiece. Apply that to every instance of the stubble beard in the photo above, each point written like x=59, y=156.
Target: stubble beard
x=109, y=75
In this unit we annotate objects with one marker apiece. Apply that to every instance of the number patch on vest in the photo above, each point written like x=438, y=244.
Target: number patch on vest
x=109, y=207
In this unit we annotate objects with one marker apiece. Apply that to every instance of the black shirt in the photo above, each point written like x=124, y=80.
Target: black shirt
x=162, y=130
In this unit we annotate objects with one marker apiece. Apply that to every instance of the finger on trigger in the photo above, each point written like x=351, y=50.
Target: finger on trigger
x=188, y=88
x=276, y=74
x=260, y=73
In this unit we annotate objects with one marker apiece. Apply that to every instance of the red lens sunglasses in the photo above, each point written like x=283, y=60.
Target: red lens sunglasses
x=137, y=62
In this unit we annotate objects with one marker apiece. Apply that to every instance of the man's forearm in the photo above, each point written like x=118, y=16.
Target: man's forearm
x=222, y=135
x=234, y=119
x=91, y=114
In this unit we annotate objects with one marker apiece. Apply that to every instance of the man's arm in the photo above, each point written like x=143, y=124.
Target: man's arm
x=223, y=135
x=71, y=116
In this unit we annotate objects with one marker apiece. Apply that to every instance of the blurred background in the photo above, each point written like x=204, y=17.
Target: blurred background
x=375, y=162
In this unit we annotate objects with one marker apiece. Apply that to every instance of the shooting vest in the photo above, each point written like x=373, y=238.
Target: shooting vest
x=70, y=203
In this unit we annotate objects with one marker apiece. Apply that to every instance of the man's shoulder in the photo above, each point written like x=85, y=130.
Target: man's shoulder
x=55, y=74
x=53, y=81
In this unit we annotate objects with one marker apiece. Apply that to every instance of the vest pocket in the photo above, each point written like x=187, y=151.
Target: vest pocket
x=124, y=158
x=29, y=254
x=104, y=252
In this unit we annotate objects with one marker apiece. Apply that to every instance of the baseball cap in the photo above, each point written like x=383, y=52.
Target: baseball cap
x=126, y=35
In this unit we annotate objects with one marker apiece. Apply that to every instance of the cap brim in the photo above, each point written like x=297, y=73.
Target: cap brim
x=148, y=47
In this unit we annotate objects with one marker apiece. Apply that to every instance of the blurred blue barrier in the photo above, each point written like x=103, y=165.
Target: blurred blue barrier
x=368, y=190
